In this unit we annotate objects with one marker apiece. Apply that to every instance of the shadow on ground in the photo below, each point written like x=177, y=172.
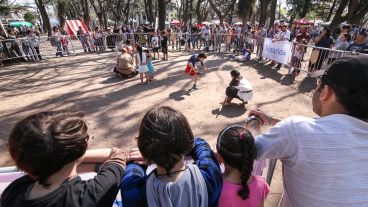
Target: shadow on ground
x=230, y=111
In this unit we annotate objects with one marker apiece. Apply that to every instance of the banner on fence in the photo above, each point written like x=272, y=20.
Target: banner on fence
x=279, y=51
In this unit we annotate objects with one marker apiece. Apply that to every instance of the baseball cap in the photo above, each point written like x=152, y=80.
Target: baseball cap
x=363, y=33
x=349, y=72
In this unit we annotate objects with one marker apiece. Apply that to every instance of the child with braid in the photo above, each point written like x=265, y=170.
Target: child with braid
x=237, y=150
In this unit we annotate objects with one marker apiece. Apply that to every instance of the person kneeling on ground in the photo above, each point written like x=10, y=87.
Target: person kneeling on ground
x=244, y=54
x=165, y=137
x=191, y=68
x=49, y=146
x=125, y=65
x=238, y=88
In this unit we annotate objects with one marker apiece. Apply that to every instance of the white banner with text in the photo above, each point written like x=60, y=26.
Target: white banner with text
x=279, y=51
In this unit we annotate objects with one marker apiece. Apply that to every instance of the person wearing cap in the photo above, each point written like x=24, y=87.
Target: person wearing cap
x=359, y=44
x=125, y=65
x=324, y=159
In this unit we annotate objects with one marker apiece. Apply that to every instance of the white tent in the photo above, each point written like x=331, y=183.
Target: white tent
x=206, y=23
x=238, y=23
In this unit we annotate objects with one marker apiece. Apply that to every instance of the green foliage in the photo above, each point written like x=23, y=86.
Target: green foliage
x=29, y=17
x=5, y=8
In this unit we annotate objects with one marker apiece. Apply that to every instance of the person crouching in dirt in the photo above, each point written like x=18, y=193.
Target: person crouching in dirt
x=191, y=68
x=125, y=65
x=238, y=88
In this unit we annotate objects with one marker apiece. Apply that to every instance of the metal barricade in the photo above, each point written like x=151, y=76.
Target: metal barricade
x=310, y=59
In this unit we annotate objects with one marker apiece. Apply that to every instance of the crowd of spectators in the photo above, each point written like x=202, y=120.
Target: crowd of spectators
x=324, y=159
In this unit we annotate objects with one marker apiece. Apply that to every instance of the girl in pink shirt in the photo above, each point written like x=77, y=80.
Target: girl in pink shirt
x=236, y=149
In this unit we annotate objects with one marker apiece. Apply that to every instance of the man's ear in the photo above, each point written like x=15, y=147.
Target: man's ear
x=326, y=93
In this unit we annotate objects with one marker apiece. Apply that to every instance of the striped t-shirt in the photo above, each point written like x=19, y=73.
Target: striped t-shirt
x=325, y=160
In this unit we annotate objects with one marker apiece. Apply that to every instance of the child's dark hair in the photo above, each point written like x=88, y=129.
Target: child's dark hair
x=202, y=55
x=164, y=137
x=41, y=144
x=140, y=51
x=235, y=73
x=236, y=146
x=348, y=37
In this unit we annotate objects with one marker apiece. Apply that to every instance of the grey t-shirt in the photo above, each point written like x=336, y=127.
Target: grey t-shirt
x=189, y=190
x=325, y=160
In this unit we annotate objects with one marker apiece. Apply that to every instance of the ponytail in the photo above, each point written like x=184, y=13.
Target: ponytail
x=236, y=146
x=246, y=169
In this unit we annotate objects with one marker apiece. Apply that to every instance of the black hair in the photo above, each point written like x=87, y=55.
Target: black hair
x=140, y=52
x=354, y=101
x=41, y=144
x=202, y=55
x=346, y=26
x=235, y=73
x=164, y=137
x=236, y=146
x=328, y=32
x=348, y=37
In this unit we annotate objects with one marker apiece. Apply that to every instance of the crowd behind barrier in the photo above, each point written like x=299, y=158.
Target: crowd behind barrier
x=307, y=53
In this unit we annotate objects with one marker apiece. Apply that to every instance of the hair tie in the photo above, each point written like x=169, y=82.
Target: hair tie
x=241, y=136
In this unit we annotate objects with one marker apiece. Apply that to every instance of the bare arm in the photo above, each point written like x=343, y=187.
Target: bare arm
x=254, y=126
x=320, y=37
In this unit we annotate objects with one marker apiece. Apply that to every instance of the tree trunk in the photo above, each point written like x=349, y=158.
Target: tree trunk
x=85, y=8
x=273, y=12
x=127, y=12
x=190, y=11
x=61, y=5
x=263, y=13
x=222, y=14
x=149, y=10
x=198, y=11
x=306, y=8
x=97, y=12
x=359, y=10
x=331, y=11
x=338, y=18
x=221, y=20
x=45, y=17
x=230, y=16
x=161, y=14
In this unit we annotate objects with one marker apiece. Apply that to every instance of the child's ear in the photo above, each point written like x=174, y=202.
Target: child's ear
x=219, y=158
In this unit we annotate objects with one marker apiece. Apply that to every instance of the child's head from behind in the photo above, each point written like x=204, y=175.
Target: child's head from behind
x=235, y=73
x=43, y=143
x=237, y=149
x=164, y=137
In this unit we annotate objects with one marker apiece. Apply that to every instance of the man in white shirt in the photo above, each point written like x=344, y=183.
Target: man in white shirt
x=325, y=160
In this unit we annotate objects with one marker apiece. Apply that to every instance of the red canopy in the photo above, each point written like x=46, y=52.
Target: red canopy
x=175, y=21
x=303, y=21
x=72, y=26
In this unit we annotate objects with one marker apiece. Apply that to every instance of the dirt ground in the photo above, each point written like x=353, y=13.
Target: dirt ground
x=114, y=107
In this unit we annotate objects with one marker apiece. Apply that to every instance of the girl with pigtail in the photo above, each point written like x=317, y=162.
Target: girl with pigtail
x=237, y=150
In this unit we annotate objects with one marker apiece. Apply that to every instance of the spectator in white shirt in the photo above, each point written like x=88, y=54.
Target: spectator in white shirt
x=324, y=159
